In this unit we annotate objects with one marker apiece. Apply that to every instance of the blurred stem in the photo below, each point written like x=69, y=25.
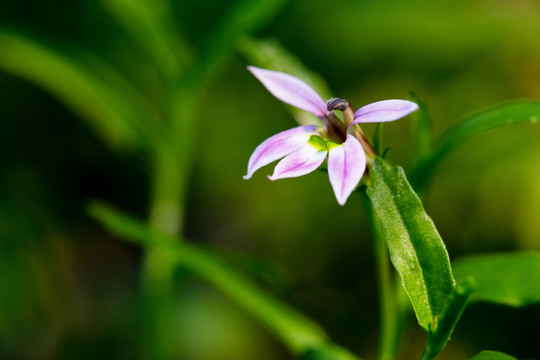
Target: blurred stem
x=303, y=337
x=172, y=164
x=389, y=324
x=171, y=173
x=165, y=216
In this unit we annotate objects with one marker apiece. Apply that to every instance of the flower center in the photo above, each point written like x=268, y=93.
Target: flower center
x=335, y=128
x=336, y=104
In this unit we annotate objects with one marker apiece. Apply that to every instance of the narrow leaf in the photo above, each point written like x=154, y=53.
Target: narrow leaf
x=329, y=352
x=296, y=331
x=151, y=25
x=245, y=16
x=377, y=139
x=89, y=88
x=422, y=129
x=511, y=279
x=493, y=355
x=478, y=123
x=416, y=248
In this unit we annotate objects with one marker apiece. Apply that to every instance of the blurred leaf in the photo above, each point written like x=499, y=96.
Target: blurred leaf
x=245, y=16
x=422, y=129
x=391, y=316
x=86, y=85
x=511, y=279
x=416, y=248
x=269, y=54
x=475, y=124
x=299, y=333
x=152, y=26
x=329, y=352
x=492, y=355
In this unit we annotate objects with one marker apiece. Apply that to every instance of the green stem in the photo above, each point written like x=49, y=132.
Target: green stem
x=303, y=337
x=389, y=324
x=388, y=331
x=159, y=263
x=172, y=164
x=442, y=327
x=426, y=355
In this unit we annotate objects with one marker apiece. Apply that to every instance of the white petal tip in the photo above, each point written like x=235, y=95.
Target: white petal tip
x=246, y=177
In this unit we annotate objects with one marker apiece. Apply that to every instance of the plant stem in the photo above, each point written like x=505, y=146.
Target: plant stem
x=441, y=330
x=388, y=331
x=172, y=164
x=426, y=355
x=165, y=216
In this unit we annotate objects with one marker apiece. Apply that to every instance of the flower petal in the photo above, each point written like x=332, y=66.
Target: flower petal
x=291, y=90
x=346, y=165
x=298, y=163
x=382, y=111
x=278, y=146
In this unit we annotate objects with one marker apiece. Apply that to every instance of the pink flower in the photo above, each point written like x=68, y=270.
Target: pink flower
x=304, y=148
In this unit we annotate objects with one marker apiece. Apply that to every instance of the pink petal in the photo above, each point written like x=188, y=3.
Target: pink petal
x=383, y=111
x=301, y=162
x=346, y=165
x=291, y=90
x=278, y=146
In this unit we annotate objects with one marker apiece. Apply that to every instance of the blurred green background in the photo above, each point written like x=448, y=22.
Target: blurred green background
x=70, y=290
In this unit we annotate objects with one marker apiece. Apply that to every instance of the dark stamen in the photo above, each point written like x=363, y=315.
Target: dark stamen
x=336, y=104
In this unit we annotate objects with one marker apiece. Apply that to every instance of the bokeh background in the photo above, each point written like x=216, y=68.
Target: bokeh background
x=70, y=290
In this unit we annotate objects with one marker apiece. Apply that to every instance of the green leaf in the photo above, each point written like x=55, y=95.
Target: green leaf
x=475, y=124
x=328, y=352
x=511, y=279
x=422, y=129
x=84, y=84
x=442, y=327
x=300, y=334
x=377, y=139
x=245, y=16
x=150, y=23
x=416, y=248
x=493, y=355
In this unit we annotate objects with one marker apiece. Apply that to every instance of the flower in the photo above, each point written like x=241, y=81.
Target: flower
x=303, y=149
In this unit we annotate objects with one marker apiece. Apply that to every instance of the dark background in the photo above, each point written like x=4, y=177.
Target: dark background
x=69, y=290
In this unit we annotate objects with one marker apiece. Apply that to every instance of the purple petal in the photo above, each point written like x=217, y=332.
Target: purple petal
x=278, y=146
x=346, y=165
x=382, y=111
x=291, y=90
x=301, y=162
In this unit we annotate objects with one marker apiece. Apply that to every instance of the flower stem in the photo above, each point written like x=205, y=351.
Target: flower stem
x=366, y=144
x=389, y=324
